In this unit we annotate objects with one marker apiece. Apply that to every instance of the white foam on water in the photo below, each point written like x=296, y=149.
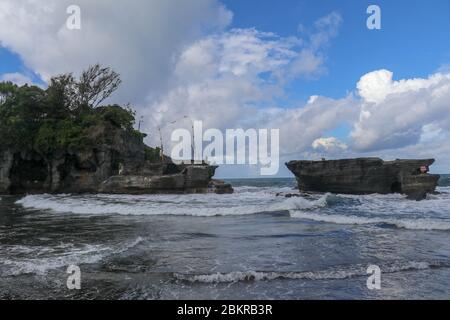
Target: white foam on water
x=414, y=224
x=240, y=203
x=44, y=260
x=393, y=209
x=330, y=274
x=434, y=205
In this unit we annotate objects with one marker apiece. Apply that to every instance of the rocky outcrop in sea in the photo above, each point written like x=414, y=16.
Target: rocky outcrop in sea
x=117, y=164
x=366, y=176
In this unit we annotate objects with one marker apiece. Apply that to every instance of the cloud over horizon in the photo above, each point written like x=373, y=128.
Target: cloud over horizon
x=183, y=58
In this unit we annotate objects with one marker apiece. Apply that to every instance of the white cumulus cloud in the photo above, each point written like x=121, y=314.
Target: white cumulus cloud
x=181, y=58
x=395, y=114
x=329, y=144
x=137, y=38
x=228, y=79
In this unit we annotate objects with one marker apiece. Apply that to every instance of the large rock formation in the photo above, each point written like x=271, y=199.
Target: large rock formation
x=116, y=164
x=366, y=176
x=187, y=179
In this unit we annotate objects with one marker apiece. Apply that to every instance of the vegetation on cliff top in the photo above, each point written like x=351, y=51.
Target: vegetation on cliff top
x=61, y=116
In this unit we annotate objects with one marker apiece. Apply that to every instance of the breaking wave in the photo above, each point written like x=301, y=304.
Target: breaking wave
x=413, y=224
x=40, y=260
x=393, y=210
x=330, y=274
x=242, y=203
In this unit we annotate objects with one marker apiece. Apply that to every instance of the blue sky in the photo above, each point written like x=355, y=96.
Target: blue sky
x=11, y=62
x=414, y=40
x=169, y=67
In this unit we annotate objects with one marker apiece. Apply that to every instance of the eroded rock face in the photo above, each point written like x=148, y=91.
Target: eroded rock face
x=365, y=176
x=117, y=164
x=220, y=187
x=6, y=160
x=191, y=179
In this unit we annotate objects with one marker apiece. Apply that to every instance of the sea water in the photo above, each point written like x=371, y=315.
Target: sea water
x=253, y=244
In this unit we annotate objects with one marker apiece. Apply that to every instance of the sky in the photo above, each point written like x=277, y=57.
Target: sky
x=312, y=69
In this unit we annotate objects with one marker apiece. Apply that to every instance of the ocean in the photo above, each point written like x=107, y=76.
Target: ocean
x=254, y=244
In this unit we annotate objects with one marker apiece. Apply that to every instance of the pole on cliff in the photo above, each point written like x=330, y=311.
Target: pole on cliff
x=141, y=120
x=161, y=150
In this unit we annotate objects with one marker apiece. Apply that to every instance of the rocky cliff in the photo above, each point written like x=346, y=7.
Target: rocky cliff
x=117, y=164
x=366, y=176
x=63, y=140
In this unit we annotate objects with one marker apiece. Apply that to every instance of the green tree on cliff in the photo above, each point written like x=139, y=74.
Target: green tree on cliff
x=61, y=116
x=21, y=112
